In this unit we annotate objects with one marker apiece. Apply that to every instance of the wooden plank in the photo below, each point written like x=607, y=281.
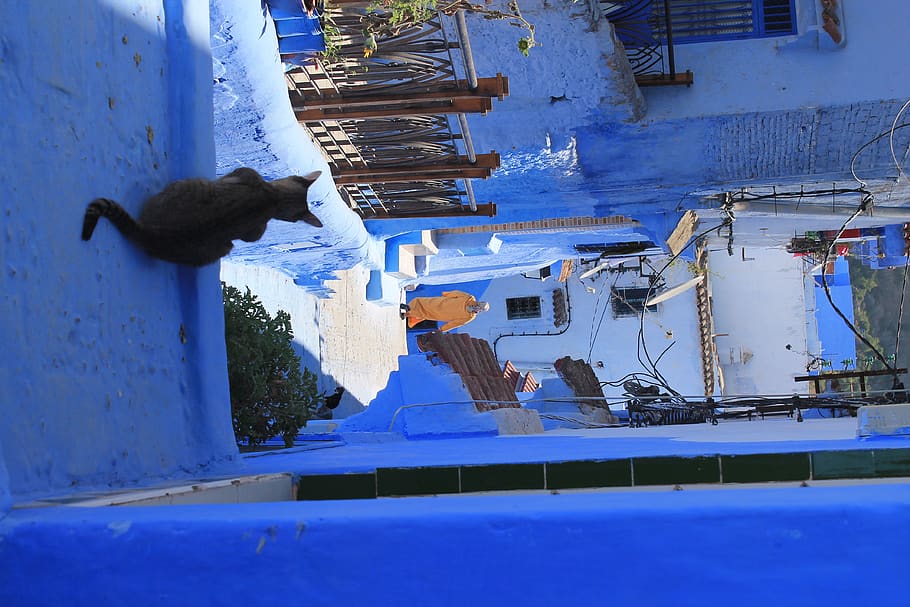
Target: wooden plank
x=686, y=78
x=484, y=161
x=479, y=105
x=483, y=210
x=684, y=230
x=486, y=87
x=848, y=374
x=404, y=175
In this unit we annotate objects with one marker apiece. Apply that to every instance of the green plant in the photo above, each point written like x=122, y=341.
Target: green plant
x=270, y=395
x=332, y=37
x=388, y=18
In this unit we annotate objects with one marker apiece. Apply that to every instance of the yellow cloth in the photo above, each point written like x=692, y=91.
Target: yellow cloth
x=451, y=307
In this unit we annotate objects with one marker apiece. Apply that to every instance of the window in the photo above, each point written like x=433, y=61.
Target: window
x=522, y=307
x=630, y=302
x=705, y=20
x=614, y=248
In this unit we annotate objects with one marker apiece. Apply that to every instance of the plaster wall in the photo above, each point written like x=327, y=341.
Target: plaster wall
x=468, y=549
x=788, y=72
x=760, y=307
x=763, y=111
x=113, y=369
x=255, y=127
x=593, y=334
x=485, y=255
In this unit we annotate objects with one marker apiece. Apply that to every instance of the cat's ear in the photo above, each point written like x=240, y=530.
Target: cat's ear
x=311, y=177
x=311, y=219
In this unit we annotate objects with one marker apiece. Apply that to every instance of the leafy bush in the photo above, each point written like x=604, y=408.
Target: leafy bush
x=270, y=396
x=388, y=18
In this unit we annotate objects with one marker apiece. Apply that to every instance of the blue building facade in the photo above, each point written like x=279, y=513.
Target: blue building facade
x=791, y=101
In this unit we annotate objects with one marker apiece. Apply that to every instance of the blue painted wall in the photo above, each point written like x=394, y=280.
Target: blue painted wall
x=113, y=368
x=780, y=110
x=815, y=546
x=837, y=340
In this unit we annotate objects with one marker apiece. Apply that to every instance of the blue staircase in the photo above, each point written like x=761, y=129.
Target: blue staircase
x=300, y=33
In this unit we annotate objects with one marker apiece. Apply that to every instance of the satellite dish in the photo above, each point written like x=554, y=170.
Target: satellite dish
x=673, y=292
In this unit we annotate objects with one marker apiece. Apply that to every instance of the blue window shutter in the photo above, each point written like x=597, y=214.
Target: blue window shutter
x=711, y=20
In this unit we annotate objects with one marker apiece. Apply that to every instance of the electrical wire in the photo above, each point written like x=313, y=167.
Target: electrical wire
x=900, y=169
x=835, y=191
x=867, y=200
x=638, y=377
x=579, y=422
x=642, y=345
x=900, y=312
x=889, y=132
x=900, y=172
x=654, y=377
x=595, y=331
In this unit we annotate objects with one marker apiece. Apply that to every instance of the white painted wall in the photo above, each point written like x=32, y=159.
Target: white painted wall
x=760, y=306
x=778, y=73
x=616, y=341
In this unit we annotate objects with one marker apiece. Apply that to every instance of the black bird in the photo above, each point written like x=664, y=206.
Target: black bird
x=332, y=400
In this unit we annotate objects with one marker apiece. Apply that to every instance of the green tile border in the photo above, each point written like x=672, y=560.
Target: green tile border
x=585, y=474
x=765, y=467
x=855, y=463
x=607, y=473
x=336, y=486
x=675, y=470
x=502, y=477
x=890, y=463
x=429, y=480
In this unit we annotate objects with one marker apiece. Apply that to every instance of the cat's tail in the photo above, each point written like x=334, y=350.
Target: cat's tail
x=116, y=214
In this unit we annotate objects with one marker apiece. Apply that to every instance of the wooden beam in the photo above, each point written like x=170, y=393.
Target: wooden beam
x=480, y=105
x=487, y=87
x=848, y=374
x=483, y=161
x=483, y=210
x=686, y=78
x=412, y=176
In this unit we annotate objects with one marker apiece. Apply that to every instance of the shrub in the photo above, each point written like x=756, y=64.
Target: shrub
x=388, y=18
x=270, y=396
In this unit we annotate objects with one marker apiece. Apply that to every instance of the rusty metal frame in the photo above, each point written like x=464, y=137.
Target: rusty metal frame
x=412, y=63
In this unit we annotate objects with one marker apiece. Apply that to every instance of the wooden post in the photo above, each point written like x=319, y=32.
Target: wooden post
x=459, y=168
x=431, y=100
x=469, y=105
x=862, y=375
x=486, y=87
x=483, y=210
x=686, y=78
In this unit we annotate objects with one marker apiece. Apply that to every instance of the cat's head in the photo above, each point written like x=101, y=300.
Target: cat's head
x=293, y=204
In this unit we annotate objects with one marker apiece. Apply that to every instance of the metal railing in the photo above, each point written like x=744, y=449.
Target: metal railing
x=415, y=65
x=645, y=27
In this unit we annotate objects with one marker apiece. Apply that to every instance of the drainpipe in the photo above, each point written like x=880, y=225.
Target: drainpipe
x=465, y=43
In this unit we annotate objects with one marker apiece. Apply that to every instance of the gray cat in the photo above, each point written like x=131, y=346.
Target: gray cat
x=194, y=221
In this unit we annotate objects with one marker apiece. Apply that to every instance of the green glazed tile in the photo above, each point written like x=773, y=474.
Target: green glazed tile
x=417, y=481
x=764, y=467
x=336, y=487
x=675, y=470
x=502, y=477
x=858, y=463
x=892, y=462
x=589, y=473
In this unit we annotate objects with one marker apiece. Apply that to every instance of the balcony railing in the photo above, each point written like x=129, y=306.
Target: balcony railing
x=391, y=124
x=645, y=27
